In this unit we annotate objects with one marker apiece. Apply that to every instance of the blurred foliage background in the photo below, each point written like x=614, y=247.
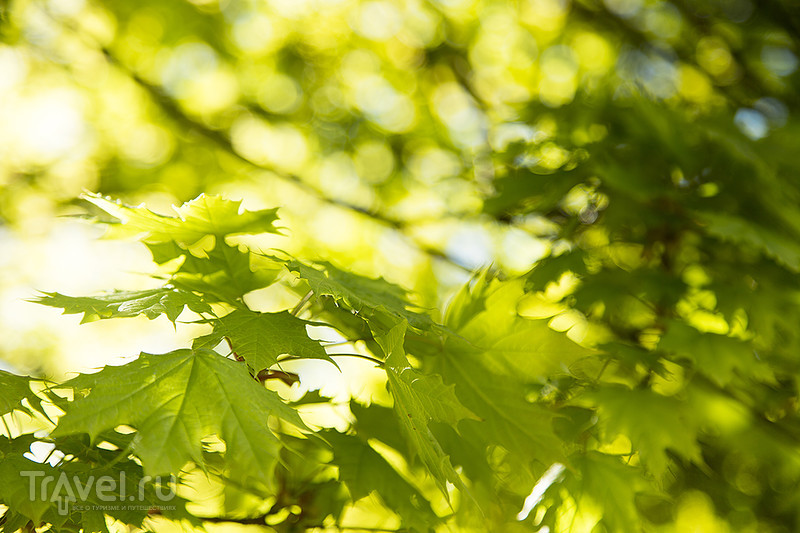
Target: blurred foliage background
x=419, y=140
x=381, y=126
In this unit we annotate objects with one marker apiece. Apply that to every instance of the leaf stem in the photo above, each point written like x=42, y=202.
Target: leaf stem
x=362, y=356
x=346, y=342
x=359, y=355
x=301, y=303
x=49, y=455
x=123, y=454
x=603, y=369
x=5, y=425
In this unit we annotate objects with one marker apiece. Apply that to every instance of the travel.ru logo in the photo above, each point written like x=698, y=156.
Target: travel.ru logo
x=98, y=492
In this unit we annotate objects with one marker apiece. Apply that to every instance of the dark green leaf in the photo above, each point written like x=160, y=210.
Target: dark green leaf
x=772, y=243
x=653, y=423
x=381, y=302
x=363, y=470
x=13, y=390
x=718, y=357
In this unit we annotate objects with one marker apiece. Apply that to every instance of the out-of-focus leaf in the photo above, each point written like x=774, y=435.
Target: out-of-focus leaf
x=364, y=471
x=469, y=301
x=517, y=346
x=653, y=423
x=610, y=483
x=612, y=286
x=526, y=191
x=783, y=249
x=718, y=357
x=494, y=361
x=550, y=269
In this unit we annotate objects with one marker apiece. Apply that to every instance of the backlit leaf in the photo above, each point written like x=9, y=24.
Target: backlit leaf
x=418, y=399
x=151, y=303
x=205, y=215
x=176, y=399
x=719, y=357
x=261, y=337
x=225, y=273
x=610, y=483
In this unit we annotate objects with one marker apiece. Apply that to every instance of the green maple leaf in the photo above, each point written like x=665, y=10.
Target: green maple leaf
x=419, y=399
x=205, y=215
x=382, y=303
x=615, y=288
x=23, y=477
x=13, y=390
x=507, y=417
x=719, y=357
x=15, y=488
x=611, y=484
x=261, y=337
x=551, y=268
x=377, y=422
x=523, y=190
x=176, y=399
x=75, y=481
x=164, y=252
x=781, y=248
x=364, y=471
x=493, y=362
x=435, y=398
x=152, y=303
x=225, y=273
x=469, y=301
x=652, y=422
x=514, y=345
